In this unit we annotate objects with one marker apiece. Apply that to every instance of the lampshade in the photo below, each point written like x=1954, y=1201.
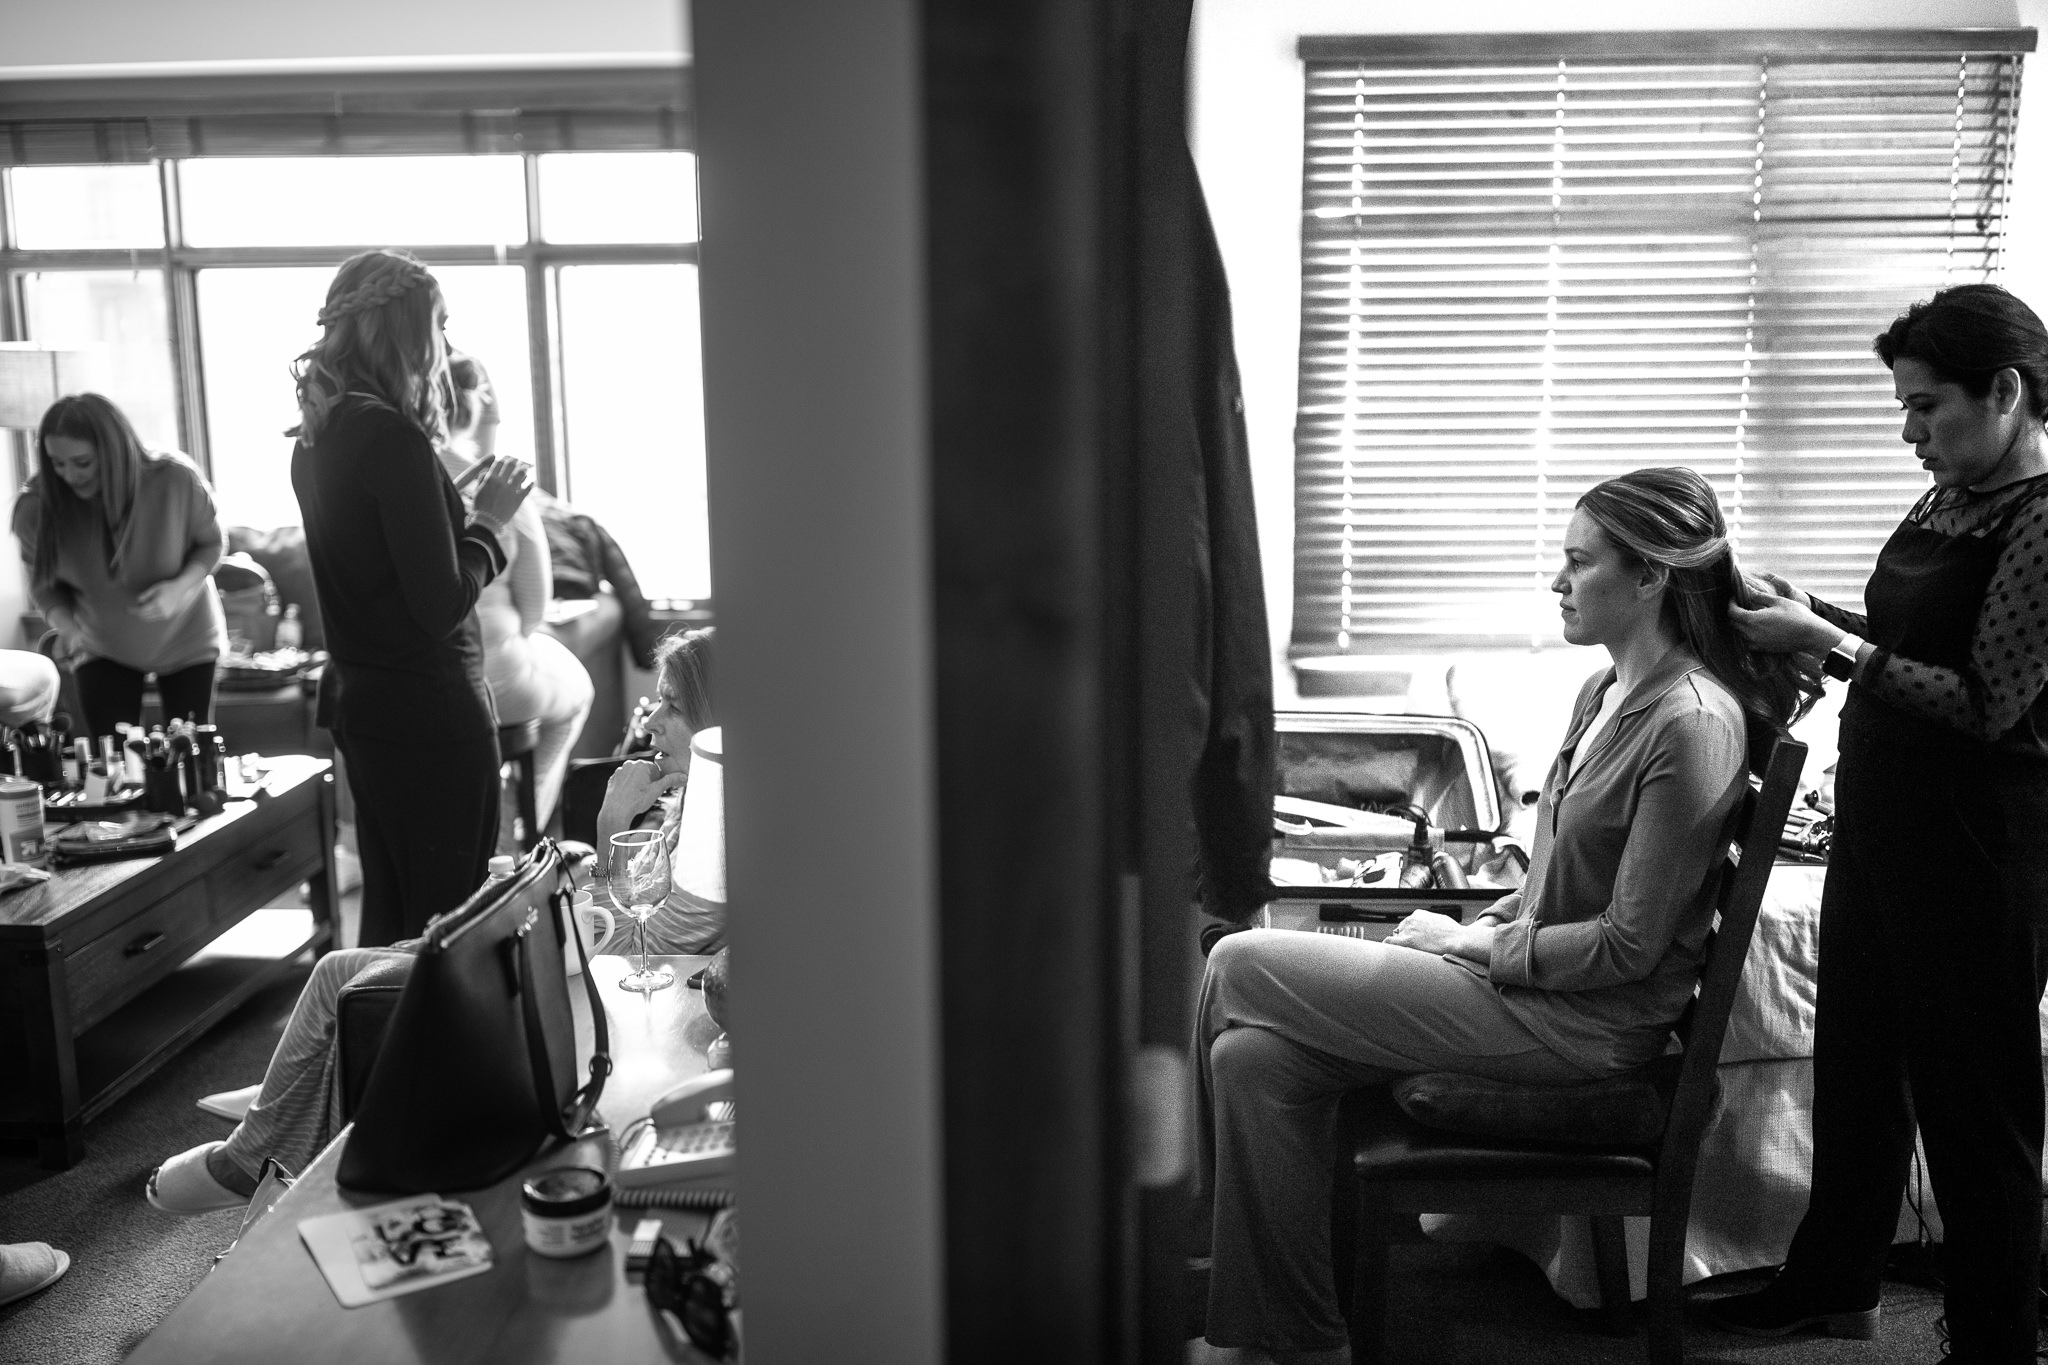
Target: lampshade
x=698, y=869
x=31, y=378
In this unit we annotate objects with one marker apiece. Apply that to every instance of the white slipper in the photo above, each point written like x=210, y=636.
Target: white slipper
x=26, y=1267
x=232, y=1105
x=184, y=1185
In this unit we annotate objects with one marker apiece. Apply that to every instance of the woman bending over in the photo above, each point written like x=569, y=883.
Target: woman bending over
x=1578, y=975
x=120, y=544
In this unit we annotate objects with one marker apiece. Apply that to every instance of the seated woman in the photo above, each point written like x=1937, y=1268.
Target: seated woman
x=531, y=674
x=682, y=707
x=298, y=1109
x=1578, y=975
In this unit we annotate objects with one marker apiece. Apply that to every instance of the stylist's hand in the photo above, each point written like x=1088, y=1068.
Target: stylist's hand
x=1765, y=584
x=162, y=601
x=504, y=485
x=1783, y=625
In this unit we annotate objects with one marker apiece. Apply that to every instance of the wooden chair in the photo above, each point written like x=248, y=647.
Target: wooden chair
x=1402, y=1168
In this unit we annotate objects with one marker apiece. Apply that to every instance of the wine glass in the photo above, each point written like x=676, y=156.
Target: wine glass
x=640, y=883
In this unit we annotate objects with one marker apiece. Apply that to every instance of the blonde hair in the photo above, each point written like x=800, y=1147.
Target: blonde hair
x=383, y=339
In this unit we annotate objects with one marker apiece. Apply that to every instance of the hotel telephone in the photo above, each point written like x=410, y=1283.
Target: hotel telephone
x=687, y=1135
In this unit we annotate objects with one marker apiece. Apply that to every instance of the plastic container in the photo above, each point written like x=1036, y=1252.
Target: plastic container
x=21, y=822
x=567, y=1211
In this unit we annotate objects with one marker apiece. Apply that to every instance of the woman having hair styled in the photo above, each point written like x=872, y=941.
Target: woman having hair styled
x=120, y=544
x=1934, y=920
x=1578, y=975
x=398, y=566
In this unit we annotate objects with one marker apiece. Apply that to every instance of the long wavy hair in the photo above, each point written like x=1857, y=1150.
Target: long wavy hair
x=382, y=337
x=1668, y=517
x=90, y=418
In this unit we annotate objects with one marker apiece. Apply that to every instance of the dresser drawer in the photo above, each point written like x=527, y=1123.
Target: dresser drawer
x=279, y=860
x=112, y=969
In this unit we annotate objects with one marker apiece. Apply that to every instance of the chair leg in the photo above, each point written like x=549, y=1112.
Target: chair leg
x=1667, y=1291
x=1374, y=1229
x=1610, y=1260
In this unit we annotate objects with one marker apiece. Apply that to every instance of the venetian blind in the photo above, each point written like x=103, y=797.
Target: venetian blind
x=1520, y=277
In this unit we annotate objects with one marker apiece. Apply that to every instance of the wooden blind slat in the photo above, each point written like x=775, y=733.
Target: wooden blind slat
x=1521, y=277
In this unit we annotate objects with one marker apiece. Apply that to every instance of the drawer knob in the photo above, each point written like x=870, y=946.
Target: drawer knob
x=143, y=945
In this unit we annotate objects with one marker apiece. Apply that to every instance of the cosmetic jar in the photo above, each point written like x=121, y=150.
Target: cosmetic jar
x=567, y=1211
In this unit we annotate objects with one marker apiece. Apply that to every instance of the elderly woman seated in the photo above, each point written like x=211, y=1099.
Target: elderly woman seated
x=297, y=1110
x=1577, y=976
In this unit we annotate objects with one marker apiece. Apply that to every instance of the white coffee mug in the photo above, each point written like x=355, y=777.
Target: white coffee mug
x=584, y=916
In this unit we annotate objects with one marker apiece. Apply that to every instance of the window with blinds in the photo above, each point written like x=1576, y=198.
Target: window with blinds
x=1523, y=275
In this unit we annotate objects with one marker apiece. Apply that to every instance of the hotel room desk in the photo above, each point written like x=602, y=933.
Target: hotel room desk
x=267, y=1301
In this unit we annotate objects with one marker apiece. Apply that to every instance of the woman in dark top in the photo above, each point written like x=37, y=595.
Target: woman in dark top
x=1934, y=921
x=398, y=567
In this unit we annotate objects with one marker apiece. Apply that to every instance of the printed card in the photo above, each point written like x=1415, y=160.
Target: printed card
x=384, y=1250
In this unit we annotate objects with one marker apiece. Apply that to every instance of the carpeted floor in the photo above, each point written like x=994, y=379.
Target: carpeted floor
x=129, y=1263
x=1463, y=1304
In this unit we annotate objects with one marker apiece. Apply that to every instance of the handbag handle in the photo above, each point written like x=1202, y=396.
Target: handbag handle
x=584, y=1103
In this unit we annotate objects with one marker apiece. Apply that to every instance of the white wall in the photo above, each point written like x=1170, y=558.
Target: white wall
x=281, y=34
x=1245, y=124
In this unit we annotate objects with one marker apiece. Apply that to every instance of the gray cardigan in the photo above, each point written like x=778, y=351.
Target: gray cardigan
x=1604, y=948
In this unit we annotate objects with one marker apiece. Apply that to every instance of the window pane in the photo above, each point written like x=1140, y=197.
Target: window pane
x=353, y=200
x=254, y=322
x=251, y=325
x=487, y=320
x=618, y=196
x=117, y=318
x=56, y=207
x=630, y=347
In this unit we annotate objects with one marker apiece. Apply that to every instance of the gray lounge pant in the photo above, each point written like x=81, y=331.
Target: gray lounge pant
x=1288, y=1022
x=298, y=1111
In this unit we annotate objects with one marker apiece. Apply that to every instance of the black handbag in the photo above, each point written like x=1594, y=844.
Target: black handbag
x=477, y=1072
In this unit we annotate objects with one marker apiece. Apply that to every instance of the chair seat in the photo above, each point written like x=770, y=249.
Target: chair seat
x=1392, y=1146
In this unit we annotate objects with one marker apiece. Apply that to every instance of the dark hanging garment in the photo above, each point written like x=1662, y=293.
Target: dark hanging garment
x=1232, y=663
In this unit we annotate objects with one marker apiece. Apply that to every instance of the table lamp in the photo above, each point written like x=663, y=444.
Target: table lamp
x=698, y=868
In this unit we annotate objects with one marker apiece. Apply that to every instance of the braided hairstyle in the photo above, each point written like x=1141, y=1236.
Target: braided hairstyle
x=383, y=319
x=1669, y=517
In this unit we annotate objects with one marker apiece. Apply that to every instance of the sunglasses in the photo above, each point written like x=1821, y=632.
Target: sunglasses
x=697, y=1287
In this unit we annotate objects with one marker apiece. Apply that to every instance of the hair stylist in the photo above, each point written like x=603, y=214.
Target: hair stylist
x=120, y=545
x=398, y=569
x=1934, y=921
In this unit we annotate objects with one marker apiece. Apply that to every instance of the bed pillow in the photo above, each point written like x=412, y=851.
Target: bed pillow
x=1624, y=1110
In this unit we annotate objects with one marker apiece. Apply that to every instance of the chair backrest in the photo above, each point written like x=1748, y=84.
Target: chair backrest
x=1744, y=872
